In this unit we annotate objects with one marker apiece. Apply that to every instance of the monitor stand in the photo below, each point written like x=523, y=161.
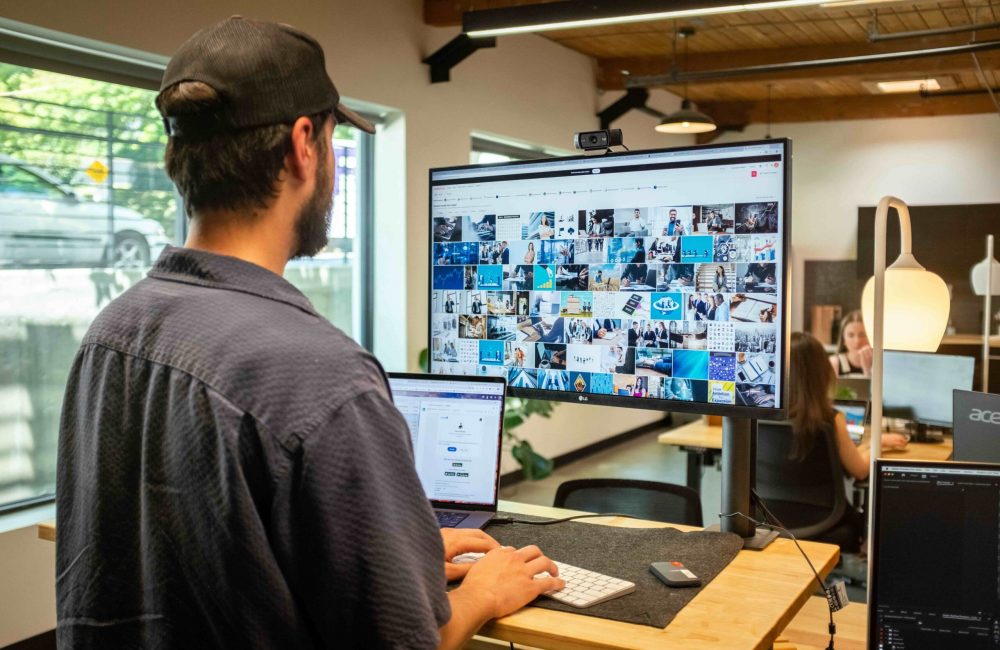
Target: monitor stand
x=738, y=459
x=921, y=432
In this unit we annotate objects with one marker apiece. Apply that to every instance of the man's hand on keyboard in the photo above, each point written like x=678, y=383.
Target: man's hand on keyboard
x=463, y=540
x=507, y=577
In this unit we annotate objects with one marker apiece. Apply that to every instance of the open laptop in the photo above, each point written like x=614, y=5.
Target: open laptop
x=856, y=414
x=976, y=426
x=456, y=426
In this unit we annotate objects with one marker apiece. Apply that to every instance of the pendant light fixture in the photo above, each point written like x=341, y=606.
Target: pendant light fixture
x=687, y=119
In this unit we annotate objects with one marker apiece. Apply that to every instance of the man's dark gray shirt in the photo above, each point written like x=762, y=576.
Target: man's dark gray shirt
x=233, y=474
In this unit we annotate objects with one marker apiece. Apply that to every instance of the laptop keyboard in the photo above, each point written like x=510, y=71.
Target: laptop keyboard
x=449, y=519
x=583, y=588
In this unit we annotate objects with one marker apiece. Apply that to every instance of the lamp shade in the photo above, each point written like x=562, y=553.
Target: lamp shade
x=978, y=278
x=686, y=120
x=917, y=304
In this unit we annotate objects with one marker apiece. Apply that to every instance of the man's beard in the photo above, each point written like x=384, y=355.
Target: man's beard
x=313, y=222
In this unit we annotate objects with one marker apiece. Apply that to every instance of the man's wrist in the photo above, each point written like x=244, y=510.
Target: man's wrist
x=476, y=605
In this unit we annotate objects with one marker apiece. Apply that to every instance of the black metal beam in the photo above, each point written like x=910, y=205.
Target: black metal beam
x=876, y=37
x=634, y=98
x=452, y=53
x=791, y=66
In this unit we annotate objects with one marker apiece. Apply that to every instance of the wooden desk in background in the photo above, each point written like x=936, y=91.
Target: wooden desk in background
x=745, y=607
x=703, y=441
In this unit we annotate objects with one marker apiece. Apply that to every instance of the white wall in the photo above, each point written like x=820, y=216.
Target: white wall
x=839, y=166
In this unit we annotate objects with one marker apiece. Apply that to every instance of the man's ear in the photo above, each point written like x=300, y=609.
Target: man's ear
x=302, y=156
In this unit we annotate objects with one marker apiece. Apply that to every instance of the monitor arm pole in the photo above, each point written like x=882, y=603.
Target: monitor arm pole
x=739, y=436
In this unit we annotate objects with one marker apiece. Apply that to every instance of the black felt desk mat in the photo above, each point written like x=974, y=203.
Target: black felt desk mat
x=626, y=553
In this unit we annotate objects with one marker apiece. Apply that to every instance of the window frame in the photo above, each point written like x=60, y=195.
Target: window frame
x=45, y=49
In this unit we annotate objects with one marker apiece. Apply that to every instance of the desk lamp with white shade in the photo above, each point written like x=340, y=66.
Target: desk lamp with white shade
x=985, y=279
x=905, y=307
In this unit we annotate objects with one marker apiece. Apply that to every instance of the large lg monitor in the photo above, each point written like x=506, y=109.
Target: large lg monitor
x=934, y=561
x=918, y=385
x=652, y=279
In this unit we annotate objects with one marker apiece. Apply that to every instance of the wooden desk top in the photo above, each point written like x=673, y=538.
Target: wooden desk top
x=746, y=606
x=704, y=436
x=47, y=531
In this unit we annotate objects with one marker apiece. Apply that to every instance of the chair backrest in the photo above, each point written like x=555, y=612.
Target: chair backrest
x=666, y=502
x=816, y=481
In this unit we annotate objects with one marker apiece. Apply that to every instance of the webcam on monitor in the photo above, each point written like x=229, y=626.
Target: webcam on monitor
x=598, y=140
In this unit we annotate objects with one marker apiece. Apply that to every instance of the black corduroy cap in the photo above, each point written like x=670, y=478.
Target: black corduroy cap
x=265, y=73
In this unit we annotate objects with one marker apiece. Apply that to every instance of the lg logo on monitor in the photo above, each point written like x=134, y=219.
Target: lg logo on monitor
x=982, y=415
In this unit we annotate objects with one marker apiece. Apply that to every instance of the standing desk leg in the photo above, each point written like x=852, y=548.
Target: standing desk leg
x=695, y=458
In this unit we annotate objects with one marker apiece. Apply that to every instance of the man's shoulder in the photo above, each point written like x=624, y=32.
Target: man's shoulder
x=285, y=366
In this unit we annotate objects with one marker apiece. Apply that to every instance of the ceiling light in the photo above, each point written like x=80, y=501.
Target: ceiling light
x=837, y=4
x=686, y=120
x=908, y=85
x=570, y=14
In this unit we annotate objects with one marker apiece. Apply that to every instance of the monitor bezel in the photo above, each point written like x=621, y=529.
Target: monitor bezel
x=503, y=409
x=707, y=408
x=874, y=528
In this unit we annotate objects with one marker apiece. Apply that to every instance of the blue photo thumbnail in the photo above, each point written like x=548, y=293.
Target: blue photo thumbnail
x=691, y=364
x=448, y=277
x=697, y=249
x=602, y=383
x=667, y=306
x=491, y=353
x=489, y=276
x=522, y=378
x=722, y=366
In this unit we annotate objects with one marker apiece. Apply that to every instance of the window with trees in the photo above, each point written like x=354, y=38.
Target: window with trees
x=85, y=209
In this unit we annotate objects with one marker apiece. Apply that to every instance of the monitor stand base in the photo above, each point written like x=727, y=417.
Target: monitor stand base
x=761, y=539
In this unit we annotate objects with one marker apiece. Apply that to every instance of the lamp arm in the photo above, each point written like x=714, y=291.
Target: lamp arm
x=906, y=249
x=987, y=316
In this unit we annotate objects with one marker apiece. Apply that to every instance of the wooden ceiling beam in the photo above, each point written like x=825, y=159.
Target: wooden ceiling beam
x=611, y=77
x=823, y=109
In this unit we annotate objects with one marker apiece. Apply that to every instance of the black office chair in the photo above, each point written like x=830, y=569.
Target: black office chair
x=808, y=496
x=674, y=504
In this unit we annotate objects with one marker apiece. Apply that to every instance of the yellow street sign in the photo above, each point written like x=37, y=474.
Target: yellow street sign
x=97, y=171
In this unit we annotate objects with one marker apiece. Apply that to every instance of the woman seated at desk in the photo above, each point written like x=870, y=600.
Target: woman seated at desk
x=854, y=353
x=810, y=408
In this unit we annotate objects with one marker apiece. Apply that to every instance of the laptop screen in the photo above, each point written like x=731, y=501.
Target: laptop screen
x=456, y=428
x=854, y=413
x=935, y=568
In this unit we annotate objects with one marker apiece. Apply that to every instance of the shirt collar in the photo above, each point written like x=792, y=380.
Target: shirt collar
x=223, y=272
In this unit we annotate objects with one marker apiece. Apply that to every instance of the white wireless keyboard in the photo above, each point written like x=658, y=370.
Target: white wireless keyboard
x=583, y=588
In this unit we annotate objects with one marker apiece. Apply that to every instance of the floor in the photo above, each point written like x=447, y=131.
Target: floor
x=644, y=458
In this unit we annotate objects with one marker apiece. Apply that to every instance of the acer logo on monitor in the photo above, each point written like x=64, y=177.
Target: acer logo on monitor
x=982, y=415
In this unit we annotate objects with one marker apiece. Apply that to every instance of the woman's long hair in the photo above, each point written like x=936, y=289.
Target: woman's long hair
x=810, y=384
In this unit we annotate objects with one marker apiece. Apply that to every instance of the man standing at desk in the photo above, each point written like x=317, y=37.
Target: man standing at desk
x=232, y=472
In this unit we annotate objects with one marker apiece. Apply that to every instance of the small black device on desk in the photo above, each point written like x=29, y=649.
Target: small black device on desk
x=674, y=574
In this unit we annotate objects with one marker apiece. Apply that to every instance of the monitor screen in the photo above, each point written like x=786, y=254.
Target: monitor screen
x=918, y=386
x=456, y=431
x=651, y=279
x=935, y=570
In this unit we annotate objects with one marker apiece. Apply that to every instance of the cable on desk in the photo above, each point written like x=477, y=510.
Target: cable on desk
x=549, y=522
x=778, y=527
